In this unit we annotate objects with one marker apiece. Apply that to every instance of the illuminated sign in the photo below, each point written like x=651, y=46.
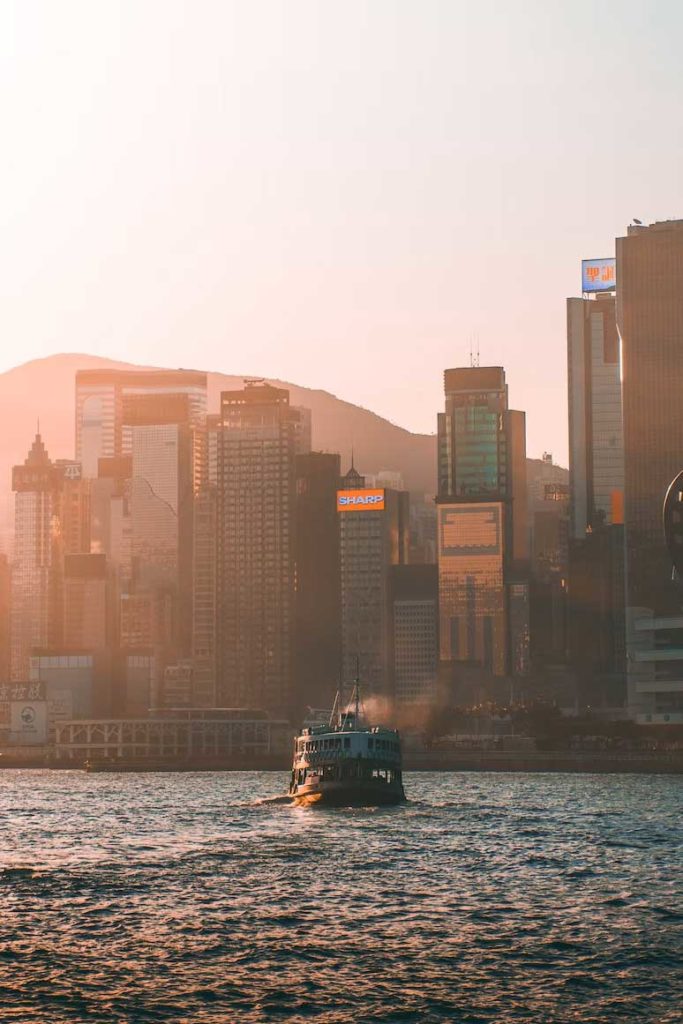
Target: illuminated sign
x=599, y=275
x=556, y=492
x=360, y=501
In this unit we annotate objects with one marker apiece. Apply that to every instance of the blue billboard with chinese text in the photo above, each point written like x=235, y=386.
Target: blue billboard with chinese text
x=599, y=275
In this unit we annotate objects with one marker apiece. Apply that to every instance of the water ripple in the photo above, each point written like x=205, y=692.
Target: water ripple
x=206, y=898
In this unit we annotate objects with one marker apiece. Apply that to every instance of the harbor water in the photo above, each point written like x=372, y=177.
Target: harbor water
x=200, y=898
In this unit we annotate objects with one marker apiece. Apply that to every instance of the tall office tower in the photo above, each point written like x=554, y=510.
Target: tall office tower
x=204, y=598
x=73, y=506
x=596, y=447
x=85, y=602
x=255, y=565
x=650, y=323
x=213, y=424
x=374, y=529
x=596, y=465
x=415, y=612
x=317, y=661
x=482, y=524
x=33, y=622
x=167, y=456
x=205, y=575
x=100, y=400
x=548, y=488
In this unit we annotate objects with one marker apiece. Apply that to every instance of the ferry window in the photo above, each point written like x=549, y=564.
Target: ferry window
x=347, y=742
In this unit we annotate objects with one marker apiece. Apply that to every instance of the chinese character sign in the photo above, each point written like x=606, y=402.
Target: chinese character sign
x=599, y=275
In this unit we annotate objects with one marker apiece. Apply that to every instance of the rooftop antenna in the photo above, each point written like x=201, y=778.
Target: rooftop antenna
x=474, y=350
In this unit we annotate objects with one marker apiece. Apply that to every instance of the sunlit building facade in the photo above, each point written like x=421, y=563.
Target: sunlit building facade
x=595, y=597
x=472, y=585
x=101, y=430
x=166, y=457
x=33, y=589
x=482, y=540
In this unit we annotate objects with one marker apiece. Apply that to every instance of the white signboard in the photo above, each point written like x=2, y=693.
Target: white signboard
x=28, y=721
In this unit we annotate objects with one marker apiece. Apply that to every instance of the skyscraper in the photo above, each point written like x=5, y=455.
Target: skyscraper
x=85, y=602
x=415, y=613
x=167, y=453
x=482, y=524
x=318, y=584
x=33, y=620
x=650, y=322
x=374, y=536
x=257, y=443
x=100, y=399
x=596, y=464
x=596, y=448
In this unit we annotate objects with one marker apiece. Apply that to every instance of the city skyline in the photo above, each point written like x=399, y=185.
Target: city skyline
x=275, y=194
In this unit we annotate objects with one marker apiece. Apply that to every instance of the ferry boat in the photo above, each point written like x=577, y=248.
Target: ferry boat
x=347, y=763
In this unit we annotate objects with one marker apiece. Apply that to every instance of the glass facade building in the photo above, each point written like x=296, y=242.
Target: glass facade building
x=472, y=606
x=596, y=446
x=482, y=544
x=100, y=399
x=166, y=460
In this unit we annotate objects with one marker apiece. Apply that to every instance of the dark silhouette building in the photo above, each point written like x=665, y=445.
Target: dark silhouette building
x=650, y=323
x=258, y=436
x=318, y=581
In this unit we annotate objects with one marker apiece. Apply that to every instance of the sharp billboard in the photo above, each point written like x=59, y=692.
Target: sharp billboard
x=363, y=500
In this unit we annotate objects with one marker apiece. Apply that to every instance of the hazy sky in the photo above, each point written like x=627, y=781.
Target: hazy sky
x=340, y=194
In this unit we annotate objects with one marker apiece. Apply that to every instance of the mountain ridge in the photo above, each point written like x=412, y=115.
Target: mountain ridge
x=44, y=390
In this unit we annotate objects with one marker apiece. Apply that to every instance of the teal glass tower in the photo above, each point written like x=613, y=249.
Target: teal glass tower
x=482, y=524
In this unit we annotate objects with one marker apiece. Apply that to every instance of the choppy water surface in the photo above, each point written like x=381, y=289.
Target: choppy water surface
x=486, y=898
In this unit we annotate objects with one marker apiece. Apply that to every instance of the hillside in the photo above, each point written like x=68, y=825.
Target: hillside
x=44, y=389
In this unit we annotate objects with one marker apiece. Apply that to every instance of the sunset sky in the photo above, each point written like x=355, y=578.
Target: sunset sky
x=341, y=195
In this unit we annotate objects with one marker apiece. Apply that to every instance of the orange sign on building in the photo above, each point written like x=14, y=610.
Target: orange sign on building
x=362, y=500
